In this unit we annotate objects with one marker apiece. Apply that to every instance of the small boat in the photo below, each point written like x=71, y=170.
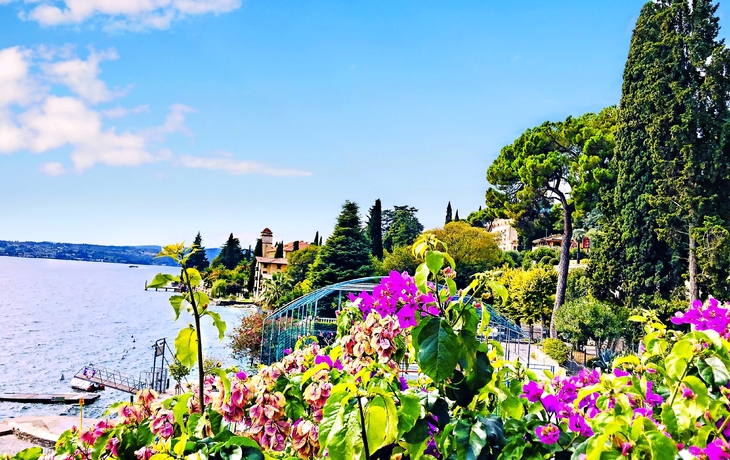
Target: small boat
x=134, y=266
x=83, y=385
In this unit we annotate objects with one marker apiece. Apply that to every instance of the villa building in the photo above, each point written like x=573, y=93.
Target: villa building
x=267, y=264
x=505, y=234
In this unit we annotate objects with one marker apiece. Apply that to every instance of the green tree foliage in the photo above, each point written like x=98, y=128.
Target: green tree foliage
x=587, y=319
x=279, y=250
x=563, y=162
x=579, y=285
x=400, y=260
x=535, y=257
x=474, y=250
x=483, y=218
x=231, y=254
x=275, y=288
x=198, y=259
x=375, y=229
x=557, y=350
x=401, y=227
x=257, y=252
x=448, y=214
x=531, y=294
x=300, y=262
x=346, y=254
x=671, y=159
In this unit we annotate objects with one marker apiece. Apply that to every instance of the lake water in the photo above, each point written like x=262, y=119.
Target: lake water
x=57, y=316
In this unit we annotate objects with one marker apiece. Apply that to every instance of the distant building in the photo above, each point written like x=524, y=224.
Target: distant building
x=505, y=233
x=267, y=264
x=554, y=241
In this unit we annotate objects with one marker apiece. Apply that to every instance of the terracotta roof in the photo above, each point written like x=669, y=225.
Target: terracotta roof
x=272, y=260
x=289, y=247
x=267, y=232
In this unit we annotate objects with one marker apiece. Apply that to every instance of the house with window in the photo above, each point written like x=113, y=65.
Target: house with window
x=267, y=265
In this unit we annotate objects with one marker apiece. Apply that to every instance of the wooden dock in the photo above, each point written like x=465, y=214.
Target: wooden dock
x=59, y=398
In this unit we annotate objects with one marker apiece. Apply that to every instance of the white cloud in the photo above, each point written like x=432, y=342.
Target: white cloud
x=81, y=77
x=121, y=112
x=52, y=169
x=34, y=119
x=238, y=167
x=124, y=14
x=16, y=86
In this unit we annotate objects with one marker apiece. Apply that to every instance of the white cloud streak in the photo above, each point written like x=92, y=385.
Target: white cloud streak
x=239, y=167
x=123, y=14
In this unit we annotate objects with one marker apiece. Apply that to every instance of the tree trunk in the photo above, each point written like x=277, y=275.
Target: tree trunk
x=563, y=265
x=694, y=291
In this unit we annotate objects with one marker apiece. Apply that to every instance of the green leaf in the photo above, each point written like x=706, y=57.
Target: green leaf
x=376, y=422
x=480, y=374
x=332, y=414
x=438, y=349
x=661, y=445
x=186, y=347
x=713, y=371
x=201, y=300
x=669, y=419
x=434, y=261
x=224, y=379
x=451, y=284
x=218, y=323
x=181, y=408
x=409, y=412
x=499, y=289
x=422, y=278
x=192, y=275
x=31, y=453
x=176, y=302
x=637, y=319
x=346, y=443
x=161, y=280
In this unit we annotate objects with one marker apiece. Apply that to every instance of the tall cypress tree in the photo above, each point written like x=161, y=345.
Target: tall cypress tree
x=316, y=239
x=456, y=216
x=279, y=250
x=346, y=255
x=448, y=214
x=295, y=246
x=375, y=230
x=257, y=252
x=669, y=164
x=198, y=259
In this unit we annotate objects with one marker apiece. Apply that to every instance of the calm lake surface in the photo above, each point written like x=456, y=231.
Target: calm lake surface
x=57, y=316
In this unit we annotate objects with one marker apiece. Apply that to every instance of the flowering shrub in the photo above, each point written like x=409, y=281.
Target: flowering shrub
x=350, y=400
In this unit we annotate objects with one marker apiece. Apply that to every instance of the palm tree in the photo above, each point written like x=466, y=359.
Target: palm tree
x=275, y=288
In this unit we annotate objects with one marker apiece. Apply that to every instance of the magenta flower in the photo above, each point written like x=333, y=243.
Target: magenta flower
x=548, y=434
x=652, y=398
x=717, y=450
x=577, y=424
x=532, y=391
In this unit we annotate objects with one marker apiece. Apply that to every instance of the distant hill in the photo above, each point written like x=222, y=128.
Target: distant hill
x=135, y=255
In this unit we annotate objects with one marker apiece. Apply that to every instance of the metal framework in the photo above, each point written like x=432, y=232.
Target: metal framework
x=156, y=379
x=307, y=316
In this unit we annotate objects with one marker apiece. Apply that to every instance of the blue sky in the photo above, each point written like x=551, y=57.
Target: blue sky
x=145, y=121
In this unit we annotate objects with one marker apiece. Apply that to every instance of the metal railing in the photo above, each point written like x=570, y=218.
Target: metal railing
x=112, y=378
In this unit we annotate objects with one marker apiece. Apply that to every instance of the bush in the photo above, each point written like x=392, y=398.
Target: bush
x=246, y=338
x=556, y=349
x=545, y=260
x=554, y=261
x=529, y=258
x=578, y=284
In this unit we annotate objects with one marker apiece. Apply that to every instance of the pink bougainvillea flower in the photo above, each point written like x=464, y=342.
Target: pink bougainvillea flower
x=577, y=424
x=532, y=391
x=548, y=434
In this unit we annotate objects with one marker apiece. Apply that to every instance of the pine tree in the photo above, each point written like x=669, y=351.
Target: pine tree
x=346, y=255
x=198, y=259
x=670, y=167
x=448, y=214
x=279, y=250
x=375, y=230
x=316, y=239
x=257, y=252
x=231, y=253
x=456, y=216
